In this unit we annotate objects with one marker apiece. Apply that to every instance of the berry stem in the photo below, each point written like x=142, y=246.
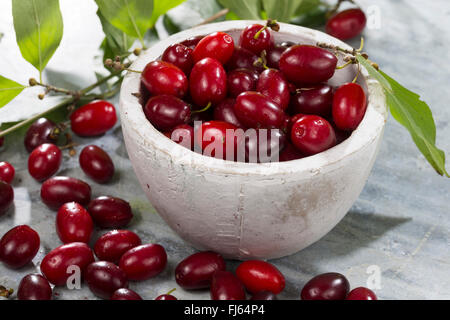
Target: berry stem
x=216, y=16
x=204, y=109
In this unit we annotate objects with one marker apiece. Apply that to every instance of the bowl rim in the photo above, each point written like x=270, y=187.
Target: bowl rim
x=370, y=128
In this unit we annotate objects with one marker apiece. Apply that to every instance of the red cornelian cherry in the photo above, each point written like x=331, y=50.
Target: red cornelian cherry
x=41, y=131
x=349, y=106
x=315, y=99
x=160, y=77
x=6, y=197
x=96, y=164
x=166, y=112
x=312, y=134
x=7, y=172
x=44, y=161
x=255, y=110
x=93, y=119
x=224, y=111
x=264, y=295
x=346, y=24
x=305, y=64
x=180, y=56
x=73, y=223
x=273, y=56
x=361, y=293
x=19, y=246
x=241, y=80
x=166, y=297
x=125, y=294
x=290, y=153
x=110, y=212
x=327, y=286
x=257, y=275
x=192, y=41
x=197, y=270
x=143, y=262
x=59, y=190
x=243, y=59
x=112, y=245
x=251, y=40
x=212, y=138
x=104, y=278
x=226, y=286
x=208, y=82
x=34, y=287
x=55, y=264
x=273, y=85
x=217, y=45
x=183, y=134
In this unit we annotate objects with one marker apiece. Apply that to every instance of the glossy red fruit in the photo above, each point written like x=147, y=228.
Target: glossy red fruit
x=327, y=286
x=125, y=294
x=361, y=293
x=73, y=223
x=166, y=112
x=313, y=100
x=346, y=24
x=243, y=59
x=264, y=145
x=312, y=134
x=112, y=245
x=226, y=286
x=196, y=271
x=225, y=112
x=93, y=119
x=104, y=278
x=264, y=40
x=59, y=190
x=257, y=275
x=44, y=161
x=240, y=80
x=166, y=297
x=349, y=106
x=7, y=172
x=6, y=197
x=217, y=45
x=160, y=77
x=57, y=265
x=264, y=295
x=183, y=134
x=41, y=131
x=290, y=153
x=303, y=64
x=110, y=212
x=180, y=56
x=96, y=164
x=192, y=41
x=208, y=82
x=273, y=85
x=143, y=262
x=273, y=56
x=34, y=287
x=213, y=140
x=255, y=110
x=19, y=246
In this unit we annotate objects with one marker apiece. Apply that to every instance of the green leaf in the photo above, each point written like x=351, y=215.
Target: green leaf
x=244, y=9
x=131, y=16
x=412, y=113
x=313, y=18
x=307, y=6
x=161, y=7
x=9, y=89
x=170, y=27
x=116, y=41
x=281, y=10
x=39, y=29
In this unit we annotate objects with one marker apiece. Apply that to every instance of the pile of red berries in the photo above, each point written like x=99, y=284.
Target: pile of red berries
x=258, y=98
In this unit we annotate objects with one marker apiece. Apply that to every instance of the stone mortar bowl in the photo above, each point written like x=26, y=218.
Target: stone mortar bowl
x=243, y=210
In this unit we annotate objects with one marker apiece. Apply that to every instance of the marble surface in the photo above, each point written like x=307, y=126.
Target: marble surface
x=399, y=226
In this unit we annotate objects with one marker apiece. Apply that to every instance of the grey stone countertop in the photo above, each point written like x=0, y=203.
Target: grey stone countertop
x=395, y=237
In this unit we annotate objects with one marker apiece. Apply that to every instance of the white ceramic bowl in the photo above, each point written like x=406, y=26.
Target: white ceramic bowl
x=246, y=210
